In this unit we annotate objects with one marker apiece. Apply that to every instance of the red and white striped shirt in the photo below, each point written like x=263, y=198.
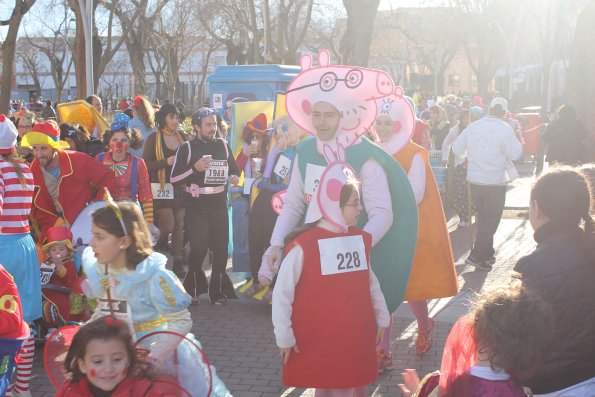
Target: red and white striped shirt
x=15, y=200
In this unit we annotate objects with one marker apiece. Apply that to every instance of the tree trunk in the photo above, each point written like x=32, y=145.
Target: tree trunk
x=581, y=89
x=78, y=52
x=8, y=50
x=355, y=44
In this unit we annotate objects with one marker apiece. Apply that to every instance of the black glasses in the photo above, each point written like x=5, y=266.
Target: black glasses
x=328, y=81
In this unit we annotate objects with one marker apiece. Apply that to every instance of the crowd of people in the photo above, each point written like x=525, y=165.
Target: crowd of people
x=349, y=217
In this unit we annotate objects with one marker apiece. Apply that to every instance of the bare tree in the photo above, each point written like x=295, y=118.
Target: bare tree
x=485, y=40
x=327, y=26
x=56, y=46
x=105, y=44
x=29, y=57
x=21, y=7
x=139, y=36
x=285, y=28
x=176, y=38
x=355, y=44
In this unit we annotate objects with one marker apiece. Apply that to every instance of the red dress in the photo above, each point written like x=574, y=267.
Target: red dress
x=333, y=321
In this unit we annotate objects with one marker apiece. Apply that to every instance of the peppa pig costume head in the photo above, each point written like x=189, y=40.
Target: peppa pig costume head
x=350, y=92
x=328, y=194
x=395, y=120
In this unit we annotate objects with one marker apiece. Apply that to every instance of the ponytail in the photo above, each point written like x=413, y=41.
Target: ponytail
x=12, y=159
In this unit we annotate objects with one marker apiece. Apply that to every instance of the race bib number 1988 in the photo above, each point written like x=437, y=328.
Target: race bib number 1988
x=342, y=255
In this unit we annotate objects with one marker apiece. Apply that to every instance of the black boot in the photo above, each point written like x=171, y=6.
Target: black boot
x=221, y=289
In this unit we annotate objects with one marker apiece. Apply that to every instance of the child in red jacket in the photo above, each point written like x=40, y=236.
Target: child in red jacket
x=103, y=361
x=58, y=278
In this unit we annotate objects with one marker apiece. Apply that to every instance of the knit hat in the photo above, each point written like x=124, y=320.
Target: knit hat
x=45, y=134
x=8, y=135
x=58, y=235
x=258, y=124
x=120, y=122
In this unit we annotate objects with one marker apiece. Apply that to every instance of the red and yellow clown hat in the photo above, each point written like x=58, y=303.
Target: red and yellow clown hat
x=58, y=235
x=258, y=124
x=45, y=134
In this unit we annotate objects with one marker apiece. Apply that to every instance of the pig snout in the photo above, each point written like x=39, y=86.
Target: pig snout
x=384, y=84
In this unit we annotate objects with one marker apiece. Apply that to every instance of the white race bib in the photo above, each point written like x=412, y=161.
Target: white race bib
x=282, y=167
x=45, y=272
x=216, y=174
x=162, y=193
x=121, y=310
x=313, y=174
x=342, y=255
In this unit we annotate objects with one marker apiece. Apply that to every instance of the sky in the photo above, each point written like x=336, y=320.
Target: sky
x=7, y=5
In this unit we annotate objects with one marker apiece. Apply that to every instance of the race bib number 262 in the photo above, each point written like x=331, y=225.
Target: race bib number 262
x=342, y=255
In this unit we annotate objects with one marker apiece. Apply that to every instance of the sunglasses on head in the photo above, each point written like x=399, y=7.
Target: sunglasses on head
x=205, y=112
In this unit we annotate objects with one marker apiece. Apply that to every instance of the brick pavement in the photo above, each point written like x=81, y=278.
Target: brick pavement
x=238, y=337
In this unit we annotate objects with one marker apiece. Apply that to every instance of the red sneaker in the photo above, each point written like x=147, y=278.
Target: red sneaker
x=424, y=341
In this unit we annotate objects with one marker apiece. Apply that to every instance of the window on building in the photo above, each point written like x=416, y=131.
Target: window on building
x=454, y=80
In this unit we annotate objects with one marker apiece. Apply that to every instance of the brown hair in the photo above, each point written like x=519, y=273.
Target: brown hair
x=511, y=326
x=77, y=132
x=106, y=328
x=346, y=191
x=140, y=247
x=564, y=195
x=16, y=164
x=144, y=111
x=133, y=135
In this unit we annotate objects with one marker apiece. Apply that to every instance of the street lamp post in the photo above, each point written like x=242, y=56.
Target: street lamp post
x=86, y=7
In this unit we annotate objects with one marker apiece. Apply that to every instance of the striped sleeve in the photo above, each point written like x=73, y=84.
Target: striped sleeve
x=15, y=198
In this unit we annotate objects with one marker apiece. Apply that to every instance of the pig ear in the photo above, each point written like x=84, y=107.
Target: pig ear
x=329, y=155
x=341, y=156
x=306, y=61
x=398, y=91
x=324, y=58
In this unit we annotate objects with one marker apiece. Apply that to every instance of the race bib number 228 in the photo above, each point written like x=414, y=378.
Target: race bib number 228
x=342, y=255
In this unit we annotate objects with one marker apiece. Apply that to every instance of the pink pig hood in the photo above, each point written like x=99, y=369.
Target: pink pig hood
x=333, y=178
x=352, y=90
x=399, y=110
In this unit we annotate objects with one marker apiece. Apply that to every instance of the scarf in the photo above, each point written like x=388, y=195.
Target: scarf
x=159, y=152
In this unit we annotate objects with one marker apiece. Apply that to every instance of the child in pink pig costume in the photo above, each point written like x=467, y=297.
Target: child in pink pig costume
x=337, y=105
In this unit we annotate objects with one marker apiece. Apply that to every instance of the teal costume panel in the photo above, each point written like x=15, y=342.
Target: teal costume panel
x=393, y=255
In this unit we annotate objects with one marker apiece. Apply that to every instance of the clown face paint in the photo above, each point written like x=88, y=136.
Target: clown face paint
x=119, y=144
x=105, y=363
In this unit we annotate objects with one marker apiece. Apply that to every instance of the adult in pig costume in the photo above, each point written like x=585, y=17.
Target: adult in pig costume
x=433, y=273
x=336, y=104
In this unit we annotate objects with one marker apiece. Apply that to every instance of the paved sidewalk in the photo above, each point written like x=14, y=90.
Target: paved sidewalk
x=238, y=337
